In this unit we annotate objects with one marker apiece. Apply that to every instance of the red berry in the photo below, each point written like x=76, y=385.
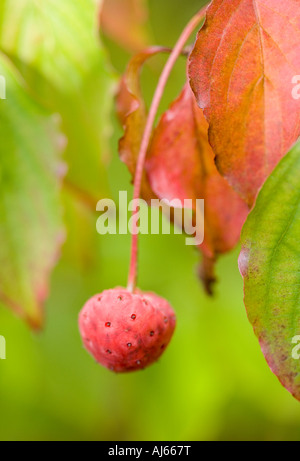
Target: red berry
x=126, y=331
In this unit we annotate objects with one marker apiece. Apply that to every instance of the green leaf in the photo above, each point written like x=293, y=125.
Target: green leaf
x=53, y=36
x=56, y=46
x=270, y=264
x=30, y=213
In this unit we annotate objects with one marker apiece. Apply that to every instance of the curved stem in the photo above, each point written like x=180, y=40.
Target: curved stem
x=177, y=50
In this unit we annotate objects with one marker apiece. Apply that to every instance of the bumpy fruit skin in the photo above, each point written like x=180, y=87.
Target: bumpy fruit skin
x=126, y=331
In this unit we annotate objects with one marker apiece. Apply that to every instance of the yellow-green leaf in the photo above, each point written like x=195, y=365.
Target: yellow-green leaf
x=56, y=46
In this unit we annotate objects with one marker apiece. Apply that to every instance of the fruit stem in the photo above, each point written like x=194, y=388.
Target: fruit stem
x=177, y=50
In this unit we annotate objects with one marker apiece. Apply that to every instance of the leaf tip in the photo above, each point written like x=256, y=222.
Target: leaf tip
x=206, y=273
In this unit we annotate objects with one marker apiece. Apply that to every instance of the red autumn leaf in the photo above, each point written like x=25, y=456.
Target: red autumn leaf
x=132, y=113
x=180, y=165
x=181, y=135
x=241, y=71
x=124, y=21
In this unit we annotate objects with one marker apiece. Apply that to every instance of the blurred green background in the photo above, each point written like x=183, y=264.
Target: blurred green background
x=213, y=382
